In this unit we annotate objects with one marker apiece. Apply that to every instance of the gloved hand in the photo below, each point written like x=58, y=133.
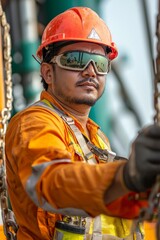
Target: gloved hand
x=144, y=162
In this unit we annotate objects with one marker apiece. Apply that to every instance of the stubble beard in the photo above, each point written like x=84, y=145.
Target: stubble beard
x=89, y=101
x=82, y=101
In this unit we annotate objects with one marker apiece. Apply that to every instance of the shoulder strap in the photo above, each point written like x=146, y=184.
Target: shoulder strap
x=87, y=147
x=88, y=155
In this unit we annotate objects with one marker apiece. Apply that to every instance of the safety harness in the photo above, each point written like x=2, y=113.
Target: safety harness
x=87, y=147
x=89, y=151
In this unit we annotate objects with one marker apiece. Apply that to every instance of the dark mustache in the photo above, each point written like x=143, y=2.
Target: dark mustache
x=89, y=80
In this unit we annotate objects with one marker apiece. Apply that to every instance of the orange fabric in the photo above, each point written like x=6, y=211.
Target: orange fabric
x=38, y=135
x=2, y=236
x=132, y=209
x=150, y=230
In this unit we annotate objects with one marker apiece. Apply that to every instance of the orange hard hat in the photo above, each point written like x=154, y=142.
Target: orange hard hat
x=78, y=24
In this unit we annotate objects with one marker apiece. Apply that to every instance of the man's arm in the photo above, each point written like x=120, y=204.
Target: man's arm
x=117, y=188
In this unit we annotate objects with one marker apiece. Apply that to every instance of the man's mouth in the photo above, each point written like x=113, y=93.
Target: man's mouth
x=88, y=83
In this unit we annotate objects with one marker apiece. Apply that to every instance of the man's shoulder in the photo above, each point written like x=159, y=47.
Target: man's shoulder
x=34, y=113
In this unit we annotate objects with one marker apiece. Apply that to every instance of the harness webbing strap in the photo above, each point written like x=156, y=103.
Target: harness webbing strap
x=88, y=155
x=97, y=228
x=87, y=147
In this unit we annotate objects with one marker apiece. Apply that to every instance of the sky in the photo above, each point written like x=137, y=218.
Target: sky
x=126, y=23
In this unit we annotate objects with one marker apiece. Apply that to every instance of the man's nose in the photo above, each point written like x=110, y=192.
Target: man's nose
x=89, y=70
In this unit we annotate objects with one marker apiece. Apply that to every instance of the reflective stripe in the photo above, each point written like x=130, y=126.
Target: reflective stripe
x=37, y=171
x=97, y=226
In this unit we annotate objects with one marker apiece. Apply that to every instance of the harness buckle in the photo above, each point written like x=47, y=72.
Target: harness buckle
x=103, y=154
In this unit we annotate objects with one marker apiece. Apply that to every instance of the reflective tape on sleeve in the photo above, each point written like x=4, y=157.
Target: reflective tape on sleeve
x=37, y=171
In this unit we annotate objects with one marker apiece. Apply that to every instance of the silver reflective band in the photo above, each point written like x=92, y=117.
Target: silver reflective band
x=37, y=171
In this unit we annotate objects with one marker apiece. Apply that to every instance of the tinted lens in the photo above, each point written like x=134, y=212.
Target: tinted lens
x=101, y=63
x=71, y=59
x=79, y=59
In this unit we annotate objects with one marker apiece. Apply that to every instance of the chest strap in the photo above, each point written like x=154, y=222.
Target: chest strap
x=87, y=147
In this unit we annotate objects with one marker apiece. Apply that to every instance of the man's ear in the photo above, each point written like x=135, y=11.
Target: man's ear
x=47, y=72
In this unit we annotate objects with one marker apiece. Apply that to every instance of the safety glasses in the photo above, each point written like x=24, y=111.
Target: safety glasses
x=79, y=60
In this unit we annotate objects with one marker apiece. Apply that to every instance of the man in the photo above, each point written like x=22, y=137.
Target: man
x=60, y=168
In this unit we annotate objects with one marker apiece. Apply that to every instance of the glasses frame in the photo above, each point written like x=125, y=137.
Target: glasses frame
x=56, y=59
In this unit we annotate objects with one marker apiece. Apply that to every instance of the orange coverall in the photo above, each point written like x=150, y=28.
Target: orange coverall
x=38, y=145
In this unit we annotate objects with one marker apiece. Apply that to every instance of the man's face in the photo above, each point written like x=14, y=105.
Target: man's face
x=78, y=87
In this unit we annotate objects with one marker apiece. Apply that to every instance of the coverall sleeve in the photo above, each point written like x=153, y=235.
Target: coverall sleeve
x=42, y=149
